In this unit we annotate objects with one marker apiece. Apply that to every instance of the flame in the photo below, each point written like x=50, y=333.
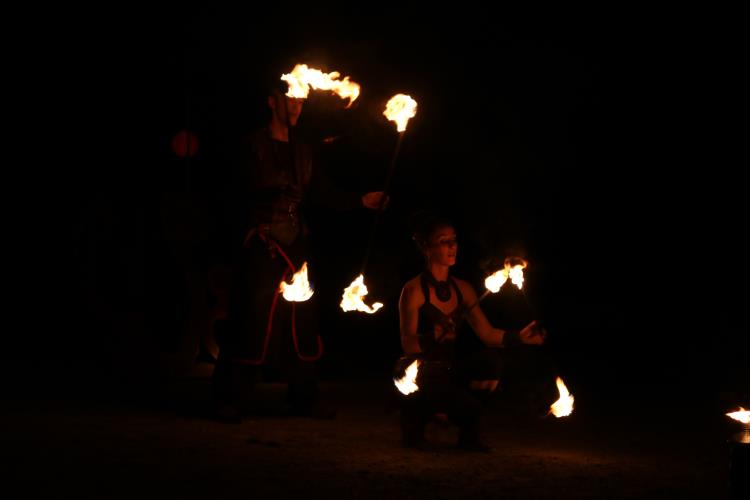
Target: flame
x=408, y=384
x=563, y=406
x=299, y=289
x=302, y=78
x=495, y=281
x=399, y=109
x=516, y=274
x=742, y=415
x=352, y=298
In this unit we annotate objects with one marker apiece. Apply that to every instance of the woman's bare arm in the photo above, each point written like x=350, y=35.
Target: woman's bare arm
x=490, y=335
x=408, y=308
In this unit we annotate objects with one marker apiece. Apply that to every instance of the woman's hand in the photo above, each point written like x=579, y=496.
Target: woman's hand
x=532, y=334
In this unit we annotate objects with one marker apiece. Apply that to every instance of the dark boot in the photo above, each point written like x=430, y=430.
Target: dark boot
x=303, y=395
x=412, y=429
x=231, y=386
x=223, y=393
x=469, y=440
x=304, y=401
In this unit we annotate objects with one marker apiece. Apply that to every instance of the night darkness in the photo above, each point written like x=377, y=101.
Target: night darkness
x=603, y=151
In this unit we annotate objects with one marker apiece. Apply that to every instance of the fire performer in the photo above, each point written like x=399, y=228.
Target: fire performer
x=274, y=179
x=431, y=309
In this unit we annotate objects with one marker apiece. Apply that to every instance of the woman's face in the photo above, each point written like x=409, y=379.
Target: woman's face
x=442, y=246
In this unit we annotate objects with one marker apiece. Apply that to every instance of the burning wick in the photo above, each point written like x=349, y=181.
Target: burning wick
x=494, y=282
x=302, y=78
x=563, y=406
x=400, y=109
x=408, y=384
x=353, y=295
x=742, y=415
x=299, y=289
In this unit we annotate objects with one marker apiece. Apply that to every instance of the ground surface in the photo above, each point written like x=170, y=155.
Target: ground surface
x=168, y=447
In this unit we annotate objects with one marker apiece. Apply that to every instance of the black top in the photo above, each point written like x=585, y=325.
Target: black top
x=433, y=325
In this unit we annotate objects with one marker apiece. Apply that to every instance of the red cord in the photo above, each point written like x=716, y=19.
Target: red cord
x=272, y=311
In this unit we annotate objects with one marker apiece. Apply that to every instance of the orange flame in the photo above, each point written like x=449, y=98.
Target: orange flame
x=408, y=384
x=302, y=78
x=299, y=289
x=353, y=295
x=399, y=109
x=742, y=415
x=495, y=281
x=563, y=406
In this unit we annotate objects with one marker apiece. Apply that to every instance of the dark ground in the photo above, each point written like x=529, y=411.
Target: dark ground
x=167, y=447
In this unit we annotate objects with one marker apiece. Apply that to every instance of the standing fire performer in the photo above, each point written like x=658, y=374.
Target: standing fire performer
x=273, y=181
x=431, y=309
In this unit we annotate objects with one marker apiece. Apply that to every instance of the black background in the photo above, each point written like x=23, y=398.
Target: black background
x=605, y=147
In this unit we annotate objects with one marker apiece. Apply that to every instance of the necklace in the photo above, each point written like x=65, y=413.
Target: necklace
x=442, y=288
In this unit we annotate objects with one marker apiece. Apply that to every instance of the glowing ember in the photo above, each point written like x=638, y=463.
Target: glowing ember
x=353, y=295
x=495, y=281
x=742, y=415
x=563, y=406
x=408, y=384
x=299, y=289
x=302, y=78
x=399, y=109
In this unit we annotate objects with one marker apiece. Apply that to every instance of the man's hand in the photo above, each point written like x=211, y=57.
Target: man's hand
x=373, y=200
x=532, y=334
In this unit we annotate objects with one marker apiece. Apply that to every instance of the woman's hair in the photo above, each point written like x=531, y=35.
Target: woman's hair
x=424, y=225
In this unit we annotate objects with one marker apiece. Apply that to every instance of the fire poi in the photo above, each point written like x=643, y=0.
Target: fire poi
x=564, y=405
x=407, y=384
x=352, y=300
x=299, y=289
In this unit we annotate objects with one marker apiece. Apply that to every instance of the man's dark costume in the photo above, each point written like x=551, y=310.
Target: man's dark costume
x=270, y=186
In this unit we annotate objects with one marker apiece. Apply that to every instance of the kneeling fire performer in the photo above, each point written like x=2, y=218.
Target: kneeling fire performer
x=432, y=308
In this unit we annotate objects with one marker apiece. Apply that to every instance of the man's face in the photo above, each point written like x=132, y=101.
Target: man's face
x=280, y=104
